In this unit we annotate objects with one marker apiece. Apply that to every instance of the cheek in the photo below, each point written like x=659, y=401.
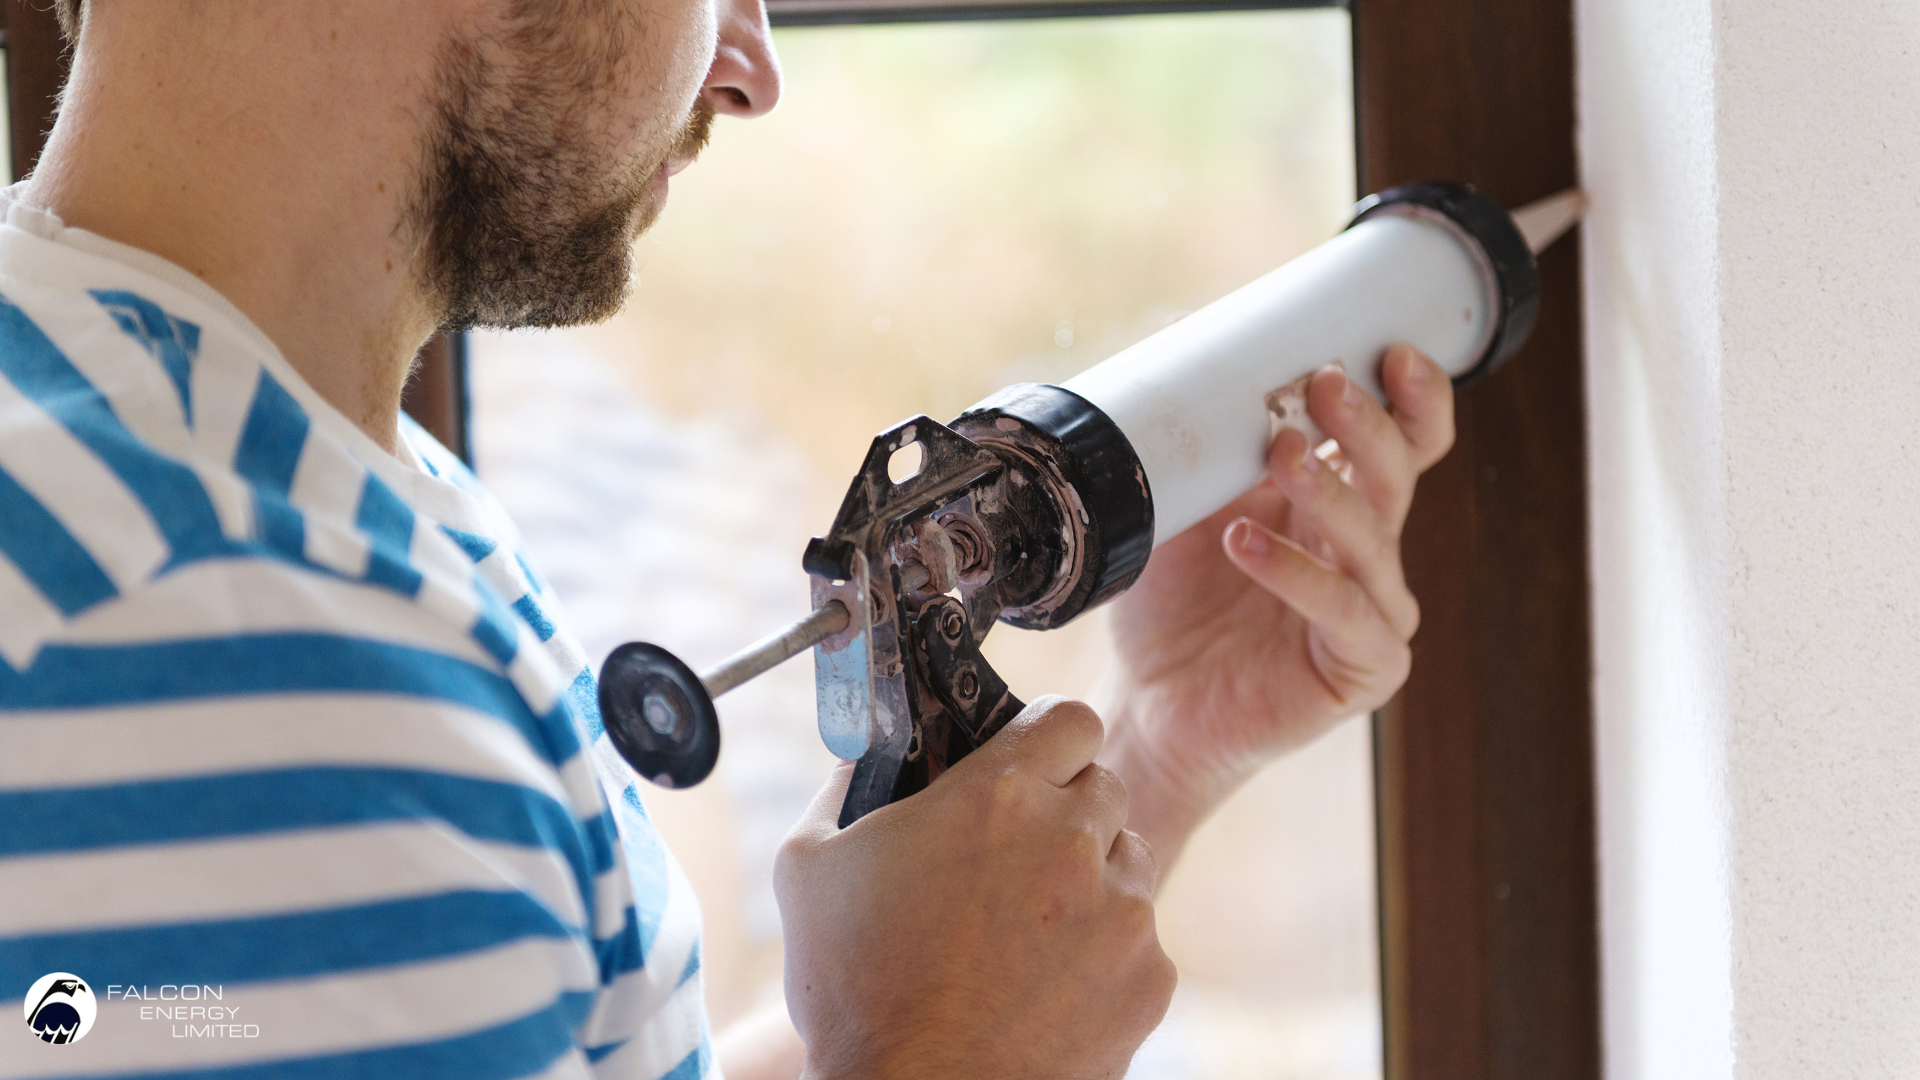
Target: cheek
x=674, y=50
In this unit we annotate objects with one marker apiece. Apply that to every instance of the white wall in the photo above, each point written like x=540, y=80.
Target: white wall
x=1753, y=314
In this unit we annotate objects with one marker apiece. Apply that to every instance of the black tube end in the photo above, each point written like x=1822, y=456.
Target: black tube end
x=1113, y=519
x=1506, y=249
x=659, y=715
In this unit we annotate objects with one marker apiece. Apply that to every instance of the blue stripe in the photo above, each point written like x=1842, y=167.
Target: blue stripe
x=601, y=837
x=173, y=342
x=290, y=946
x=388, y=523
x=270, y=443
x=47, y=553
x=268, y=454
x=494, y=630
x=396, y=574
x=279, y=526
x=476, y=546
x=42, y=820
x=584, y=694
x=618, y=954
x=537, y=619
x=79, y=677
x=169, y=490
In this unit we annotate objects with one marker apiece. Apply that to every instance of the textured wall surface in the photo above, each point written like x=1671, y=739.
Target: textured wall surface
x=1753, y=292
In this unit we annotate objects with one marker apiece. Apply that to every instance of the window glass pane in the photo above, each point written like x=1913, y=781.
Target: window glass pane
x=935, y=211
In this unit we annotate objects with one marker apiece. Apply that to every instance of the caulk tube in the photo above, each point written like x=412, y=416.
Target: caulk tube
x=1436, y=265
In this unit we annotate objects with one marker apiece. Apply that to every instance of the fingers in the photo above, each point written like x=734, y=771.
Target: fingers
x=1422, y=397
x=1349, y=525
x=1361, y=644
x=1102, y=799
x=1388, y=452
x=1054, y=738
x=1381, y=455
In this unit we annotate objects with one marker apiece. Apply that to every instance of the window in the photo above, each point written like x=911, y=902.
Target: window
x=933, y=212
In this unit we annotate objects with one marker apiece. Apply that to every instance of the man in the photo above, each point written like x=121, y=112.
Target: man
x=279, y=726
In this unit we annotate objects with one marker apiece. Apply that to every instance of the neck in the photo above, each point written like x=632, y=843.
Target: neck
x=212, y=153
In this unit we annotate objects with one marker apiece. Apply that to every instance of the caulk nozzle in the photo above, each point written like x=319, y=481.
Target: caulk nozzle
x=1547, y=220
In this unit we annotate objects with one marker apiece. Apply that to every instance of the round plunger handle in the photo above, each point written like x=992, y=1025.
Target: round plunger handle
x=660, y=715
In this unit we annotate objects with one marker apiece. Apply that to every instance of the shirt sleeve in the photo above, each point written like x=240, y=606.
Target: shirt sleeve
x=285, y=825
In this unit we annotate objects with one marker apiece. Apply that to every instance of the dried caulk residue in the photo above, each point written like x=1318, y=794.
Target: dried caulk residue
x=1287, y=408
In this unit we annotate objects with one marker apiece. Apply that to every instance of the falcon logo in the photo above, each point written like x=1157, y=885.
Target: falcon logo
x=60, y=1008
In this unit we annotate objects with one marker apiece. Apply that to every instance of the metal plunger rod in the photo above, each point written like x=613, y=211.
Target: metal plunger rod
x=763, y=655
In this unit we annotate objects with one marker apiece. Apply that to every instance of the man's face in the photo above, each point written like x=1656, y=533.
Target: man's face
x=554, y=127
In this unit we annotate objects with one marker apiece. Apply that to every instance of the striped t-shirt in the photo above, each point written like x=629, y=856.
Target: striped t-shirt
x=298, y=774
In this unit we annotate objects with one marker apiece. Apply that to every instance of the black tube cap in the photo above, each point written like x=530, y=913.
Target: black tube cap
x=1093, y=455
x=659, y=715
x=1506, y=249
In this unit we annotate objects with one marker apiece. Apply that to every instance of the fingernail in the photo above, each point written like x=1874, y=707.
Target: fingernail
x=1350, y=396
x=1416, y=368
x=1310, y=461
x=1251, y=539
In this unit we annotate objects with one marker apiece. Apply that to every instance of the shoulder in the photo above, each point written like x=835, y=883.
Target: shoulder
x=266, y=726
x=312, y=792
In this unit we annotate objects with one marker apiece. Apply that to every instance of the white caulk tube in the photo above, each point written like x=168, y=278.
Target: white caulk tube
x=1436, y=265
x=1120, y=458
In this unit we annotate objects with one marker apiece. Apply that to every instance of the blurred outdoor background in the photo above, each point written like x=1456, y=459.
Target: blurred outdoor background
x=932, y=212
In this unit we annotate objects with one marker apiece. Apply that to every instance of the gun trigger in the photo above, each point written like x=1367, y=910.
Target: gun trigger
x=971, y=692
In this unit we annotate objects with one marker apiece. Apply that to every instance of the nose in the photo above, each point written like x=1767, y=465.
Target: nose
x=744, y=80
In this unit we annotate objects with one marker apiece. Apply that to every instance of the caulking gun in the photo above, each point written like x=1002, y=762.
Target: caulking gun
x=1042, y=502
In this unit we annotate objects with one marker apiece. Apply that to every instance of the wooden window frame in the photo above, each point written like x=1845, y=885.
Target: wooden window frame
x=1488, y=880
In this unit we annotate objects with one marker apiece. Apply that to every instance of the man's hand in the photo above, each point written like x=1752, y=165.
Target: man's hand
x=999, y=923
x=1256, y=630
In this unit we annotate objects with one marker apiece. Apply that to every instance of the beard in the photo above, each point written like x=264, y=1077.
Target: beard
x=520, y=222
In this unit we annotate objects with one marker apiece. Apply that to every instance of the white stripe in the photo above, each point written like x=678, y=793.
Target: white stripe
x=139, y=387
x=78, y=489
x=274, y=874
x=328, y=544
x=457, y=607
x=532, y=670
x=612, y=896
x=29, y=619
x=567, y=654
x=228, y=735
x=299, y=1018
x=435, y=554
x=580, y=780
x=679, y=931
x=327, y=484
x=675, y=939
x=502, y=571
x=231, y=496
x=669, y=1036
x=230, y=597
x=225, y=379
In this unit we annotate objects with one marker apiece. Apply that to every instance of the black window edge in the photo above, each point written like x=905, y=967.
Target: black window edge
x=783, y=13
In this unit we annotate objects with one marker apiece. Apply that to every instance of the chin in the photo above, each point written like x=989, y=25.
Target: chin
x=647, y=210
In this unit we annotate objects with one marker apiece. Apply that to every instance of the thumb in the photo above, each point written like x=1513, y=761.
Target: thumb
x=822, y=818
